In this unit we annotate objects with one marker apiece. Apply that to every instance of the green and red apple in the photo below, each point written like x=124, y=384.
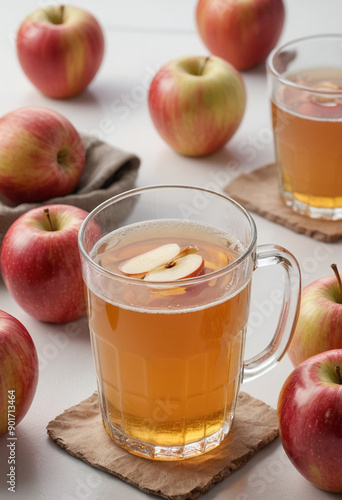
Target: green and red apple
x=319, y=325
x=18, y=372
x=310, y=419
x=40, y=263
x=197, y=104
x=41, y=155
x=243, y=32
x=60, y=49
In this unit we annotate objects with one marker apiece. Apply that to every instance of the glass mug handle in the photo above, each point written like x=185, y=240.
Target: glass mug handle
x=271, y=255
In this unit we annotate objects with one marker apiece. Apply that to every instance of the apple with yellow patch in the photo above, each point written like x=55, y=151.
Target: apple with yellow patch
x=319, y=325
x=60, y=49
x=197, y=103
x=42, y=155
x=243, y=32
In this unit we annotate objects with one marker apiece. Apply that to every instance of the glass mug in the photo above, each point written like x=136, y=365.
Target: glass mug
x=305, y=80
x=169, y=354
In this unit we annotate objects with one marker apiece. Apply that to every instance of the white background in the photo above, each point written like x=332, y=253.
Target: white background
x=142, y=35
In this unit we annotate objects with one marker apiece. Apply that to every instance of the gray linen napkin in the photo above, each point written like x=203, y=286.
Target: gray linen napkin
x=108, y=171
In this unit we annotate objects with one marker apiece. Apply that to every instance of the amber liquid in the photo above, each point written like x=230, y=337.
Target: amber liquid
x=169, y=358
x=308, y=131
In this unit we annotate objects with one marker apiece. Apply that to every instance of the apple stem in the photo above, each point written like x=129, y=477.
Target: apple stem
x=204, y=65
x=338, y=277
x=56, y=15
x=46, y=210
x=339, y=374
x=61, y=9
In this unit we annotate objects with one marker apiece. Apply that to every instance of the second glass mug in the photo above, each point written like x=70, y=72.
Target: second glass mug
x=169, y=355
x=305, y=83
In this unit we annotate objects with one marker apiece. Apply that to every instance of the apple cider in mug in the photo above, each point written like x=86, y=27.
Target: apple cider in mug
x=168, y=355
x=308, y=131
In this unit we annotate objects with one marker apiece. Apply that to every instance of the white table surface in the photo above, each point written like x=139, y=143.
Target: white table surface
x=140, y=37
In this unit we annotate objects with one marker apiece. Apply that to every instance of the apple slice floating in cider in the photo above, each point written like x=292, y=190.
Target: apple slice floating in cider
x=143, y=263
x=165, y=263
x=185, y=267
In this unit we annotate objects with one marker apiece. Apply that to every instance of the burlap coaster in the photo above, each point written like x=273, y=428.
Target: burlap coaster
x=108, y=171
x=258, y=191
x=80, y=432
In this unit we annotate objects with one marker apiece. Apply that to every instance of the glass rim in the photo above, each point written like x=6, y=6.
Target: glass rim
x=282, y=79
x=163, y=284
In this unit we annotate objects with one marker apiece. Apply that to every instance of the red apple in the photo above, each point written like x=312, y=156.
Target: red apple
x=168, y=262
x=18, y=373
x=197, y=103
x=319, y=325
x=310, y=419
x=243, y=32
x=60, y=48
x=40, y=263
x=41, y=155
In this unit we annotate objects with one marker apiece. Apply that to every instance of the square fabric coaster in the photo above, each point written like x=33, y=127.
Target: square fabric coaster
x=80, y=432
x=108, y=171
x=258, y=192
